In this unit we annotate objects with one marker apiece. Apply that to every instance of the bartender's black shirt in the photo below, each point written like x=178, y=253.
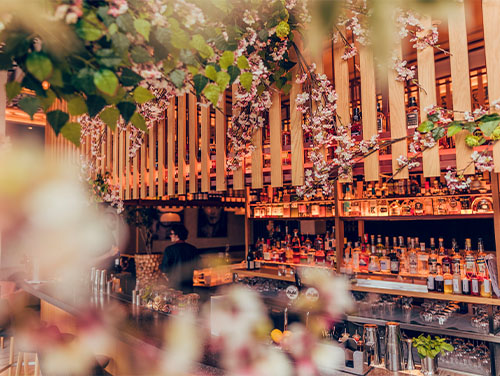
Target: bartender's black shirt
x=179, y=262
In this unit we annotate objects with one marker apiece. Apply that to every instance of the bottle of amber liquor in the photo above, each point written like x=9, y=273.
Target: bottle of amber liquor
x=381, y=120
x=412, y=114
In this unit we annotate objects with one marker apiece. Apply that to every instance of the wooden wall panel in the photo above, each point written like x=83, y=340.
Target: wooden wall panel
x=127, y=164
x=171, y=149
x=369, y=109
x=296, y=132
x=459, y=62
x=257, y=173
x=104, y=156
x=491, y=24
x=276, y=140
x=109, y=153
x=397, y=119
x=205, y=148
x=121, y=162
x=151, y=161
x=143, y=170
x=115, y=175
x=427, y=80
x=239, y=173
x=220, y=145
x=193, y=142
x=181, y=145
x=135, y=176
x=161, y=158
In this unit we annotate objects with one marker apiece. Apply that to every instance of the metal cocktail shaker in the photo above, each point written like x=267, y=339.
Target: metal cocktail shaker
x=97, y=279
x=372, y=344
x=393, y=350
x=410, y=364
x=104, y=279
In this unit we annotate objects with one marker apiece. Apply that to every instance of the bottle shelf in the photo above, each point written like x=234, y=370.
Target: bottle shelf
x=419, y=217
x=417, y=197
x=264, y=273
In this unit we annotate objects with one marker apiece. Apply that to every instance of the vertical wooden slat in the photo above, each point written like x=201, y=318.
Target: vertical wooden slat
x=181, y=145
x=238, y=174
x=115, y=156
x=257, y=174
x=135, y=177
x=121, y=163
x=369, y=109
x=104, y=156
x=220, y=144
x=296, y=132
x=341, y=69
x=171, y=148
x=276, y=140
x=143, y=170
x=109, y=153
x=152, y=160
x=193, y=141
x=205, y=147
x=491, y=24
x=459, y=62
x=127, y=164
x=161, y=158
x=427, y=80
x=398, y=118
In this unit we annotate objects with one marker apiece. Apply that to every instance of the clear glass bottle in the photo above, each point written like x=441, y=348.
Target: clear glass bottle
x=412, y=114
x=433, y=258
x=412, y=258
x=381, y=120
x=356, y=256
x=356, y=127
x=448, y=283
x=423, y=260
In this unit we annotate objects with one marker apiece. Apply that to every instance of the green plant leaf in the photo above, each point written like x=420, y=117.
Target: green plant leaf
x=246, y=80
x=138, y=121
x=110, y=117
x=113, y=29
x=95, y=104
x=129, y=77
x=5, y=61
x=200, y=45
x=86, y=30
x=57, y=119
x=210, y=72
x=286, y=88
x=142, y=95
x=127, y=109
x=242, y=62
x=39, y=65
x=47, y=101
x=106, y=81
x=125, y=22
x=489, y=126
x=222, y=79
x=140, y=55
x=234, y=72
x=30, y=105
x=71, y=131
x=226, y=59
x=453, y=129
x=425, y=126
x=177, y=77
x=56, y=78
x=77, y=106
x=422, y=352
x=143, y=27
x=120, y=42
x=84, y=81
x=212, y=93
x=448, y=347
x=12, y=88
x=438, y=132
x=199, y=82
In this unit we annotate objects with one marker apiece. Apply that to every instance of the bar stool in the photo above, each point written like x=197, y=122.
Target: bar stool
x=22, y=361
x=11, y=363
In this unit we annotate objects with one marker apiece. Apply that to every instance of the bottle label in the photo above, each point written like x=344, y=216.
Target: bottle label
x=487, y=286
x=395, y=266
x=475, y=286
x=456, y=286
x=465, y=286
x=430, y=282
x=412, y=120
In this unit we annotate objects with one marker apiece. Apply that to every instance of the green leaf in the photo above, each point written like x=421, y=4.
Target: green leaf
x=438, y=133
x=84, y=80
x=106, y=81
x=246, y=80
x=127, y=109
x=5, y=61
x=192, y=69
x=107, y=57
x=242, y=62
x=143, y=27
x=138, y=121
x=47, y=101
x=200, y=45
x=210, y=72
x=422, y=352
x=71, y=131
x=86, y=30
x=454, y=128
x=226, y=59
x=222, y=79
x=448, y=347
x=39, y=65
x=234, y=72
x=57, y=119
x=12, y=89
x=110, y=117
x=199, y=82
x=95, y=104
x=113, y=29
x=212, y=92
x=140, y=55
x=120, y=42
x=286, y=88
x=177, y=77
x=30, y=105
x=425, y=126
x=470, y=126
x=126, y=23
x=129, y=77
x=180, y=39
x=77, y=106
x=56, y=78
x=142, y=95
x=489, y=126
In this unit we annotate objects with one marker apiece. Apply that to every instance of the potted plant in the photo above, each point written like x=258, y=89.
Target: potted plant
x=428, y=351
x=147, y=265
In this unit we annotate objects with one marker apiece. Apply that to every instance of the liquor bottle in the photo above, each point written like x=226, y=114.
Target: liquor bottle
x=267, y=250
x=319, y=256
x=446, y=260
x=318, y=243
x=431, y=281
x=356, y=256
x=481, y=259
x=412, y=258
x=457, y=284
x=381, y=120
x=433, y=258
x=364, y=257
x=470, y=260
x=379, y=246
x=448, y=283
x=374, y=262
x=296, y=246
x=395, y=264
x=412, y=114
x=439, y=281
x=403, y=256
x=456, y=260
x=423, y=260
x=385, y=264
x=356, y=128
x=256, y=259
x=465, y=284
x=250, y=261
x=117, y=268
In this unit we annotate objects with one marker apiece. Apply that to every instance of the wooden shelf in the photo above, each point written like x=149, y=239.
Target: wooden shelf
x=263, y=273
x=418, y=217
x=431, y=295
x=416, y=197
x=184, y=203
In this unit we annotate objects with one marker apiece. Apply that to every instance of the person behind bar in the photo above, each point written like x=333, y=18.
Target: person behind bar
x=180, y=259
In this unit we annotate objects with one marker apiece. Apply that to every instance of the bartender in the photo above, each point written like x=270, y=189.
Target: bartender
x=180, y=259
